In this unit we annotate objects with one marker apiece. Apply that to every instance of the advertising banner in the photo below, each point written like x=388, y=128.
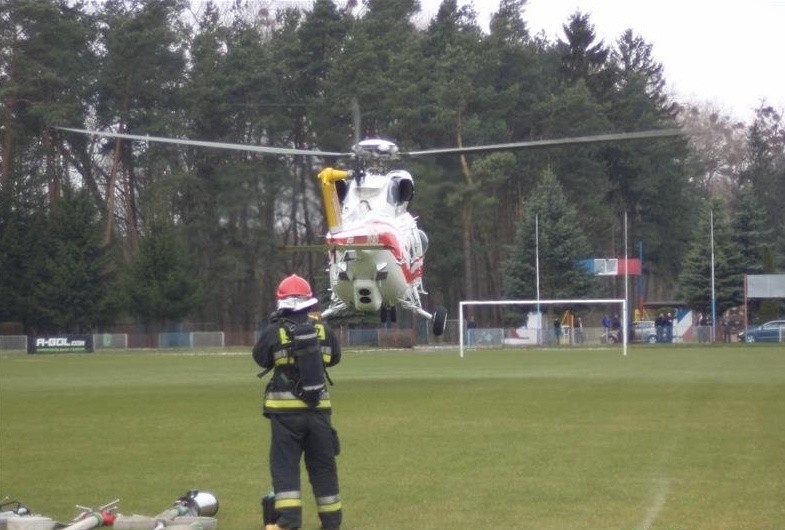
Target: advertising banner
x=766, y=286
x=60, y=343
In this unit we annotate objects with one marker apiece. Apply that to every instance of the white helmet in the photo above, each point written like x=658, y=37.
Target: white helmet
x=202, y=503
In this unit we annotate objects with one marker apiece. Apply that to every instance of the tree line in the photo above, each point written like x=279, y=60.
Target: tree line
x=96, y=231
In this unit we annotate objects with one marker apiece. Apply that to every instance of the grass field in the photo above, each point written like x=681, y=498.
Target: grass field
x=664, y=438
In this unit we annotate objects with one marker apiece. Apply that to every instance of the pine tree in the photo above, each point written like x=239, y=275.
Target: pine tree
x=74, y=291
x=160, y=284
x=695, y=281
x=750, y=231
x=647, y=179
x=46, y=68
x=766, y=167
x=583, y=58
x=23, y=240
x=562, y=245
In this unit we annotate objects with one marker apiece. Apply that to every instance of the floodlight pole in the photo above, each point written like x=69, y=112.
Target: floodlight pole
x=537, y=273
x=713, y=296
x=460, y=329
x=626, y=289
x=746, y=305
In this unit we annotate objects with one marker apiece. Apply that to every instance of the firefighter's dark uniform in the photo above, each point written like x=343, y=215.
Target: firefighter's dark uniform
x=297, y=428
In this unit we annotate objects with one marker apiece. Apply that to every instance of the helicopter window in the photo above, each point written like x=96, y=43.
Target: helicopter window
x=400, y=191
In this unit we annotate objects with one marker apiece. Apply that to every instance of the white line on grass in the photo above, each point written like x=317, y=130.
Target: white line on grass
x=661, y=483
x=660, y=494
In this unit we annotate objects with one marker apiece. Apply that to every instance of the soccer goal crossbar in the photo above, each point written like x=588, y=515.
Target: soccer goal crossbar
x=538, y=303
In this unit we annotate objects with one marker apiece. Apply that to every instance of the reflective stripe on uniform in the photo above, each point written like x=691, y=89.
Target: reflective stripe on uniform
x=285, y=395
x=307, y=337
x=327, y=351
x=331, y=503
x=282, y=358
x=287, y=400
x=321, y=334
x=294, y=404
x=288, y=499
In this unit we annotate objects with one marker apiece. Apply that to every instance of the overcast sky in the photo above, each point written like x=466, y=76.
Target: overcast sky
x=727, y=52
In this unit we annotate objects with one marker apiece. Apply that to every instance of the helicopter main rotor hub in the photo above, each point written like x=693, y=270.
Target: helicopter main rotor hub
x=375, y=149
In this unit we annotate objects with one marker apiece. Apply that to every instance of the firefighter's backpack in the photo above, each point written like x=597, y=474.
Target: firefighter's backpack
x=306, y=350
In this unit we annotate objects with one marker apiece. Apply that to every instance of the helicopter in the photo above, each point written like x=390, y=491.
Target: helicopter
x=375, y=249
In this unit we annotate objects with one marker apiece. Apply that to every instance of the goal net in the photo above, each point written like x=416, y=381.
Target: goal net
x=542, y=323
x=204, y=339
x=110, y=341
x=13, y=343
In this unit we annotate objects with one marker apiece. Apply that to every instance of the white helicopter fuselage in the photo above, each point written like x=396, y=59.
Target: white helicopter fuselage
x=377, y=251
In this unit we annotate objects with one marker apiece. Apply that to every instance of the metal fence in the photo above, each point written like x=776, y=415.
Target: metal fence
x=384, y=337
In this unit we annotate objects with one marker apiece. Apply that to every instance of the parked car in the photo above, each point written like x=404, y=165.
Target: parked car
x=644, y=331
x=773, y=331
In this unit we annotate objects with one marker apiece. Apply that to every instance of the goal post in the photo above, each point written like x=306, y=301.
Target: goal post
x=205, y=339
x=13, y=343
x=462, y=325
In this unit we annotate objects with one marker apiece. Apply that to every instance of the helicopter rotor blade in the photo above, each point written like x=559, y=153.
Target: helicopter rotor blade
x=263, y=149
x=548, y=143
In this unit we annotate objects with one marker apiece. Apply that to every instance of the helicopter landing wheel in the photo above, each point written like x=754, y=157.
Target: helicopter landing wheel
x=439, y=321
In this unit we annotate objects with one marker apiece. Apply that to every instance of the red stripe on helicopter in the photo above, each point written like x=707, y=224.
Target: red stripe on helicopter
x=385, y=235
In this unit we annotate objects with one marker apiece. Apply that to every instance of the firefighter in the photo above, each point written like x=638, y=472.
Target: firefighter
x=298, y=349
